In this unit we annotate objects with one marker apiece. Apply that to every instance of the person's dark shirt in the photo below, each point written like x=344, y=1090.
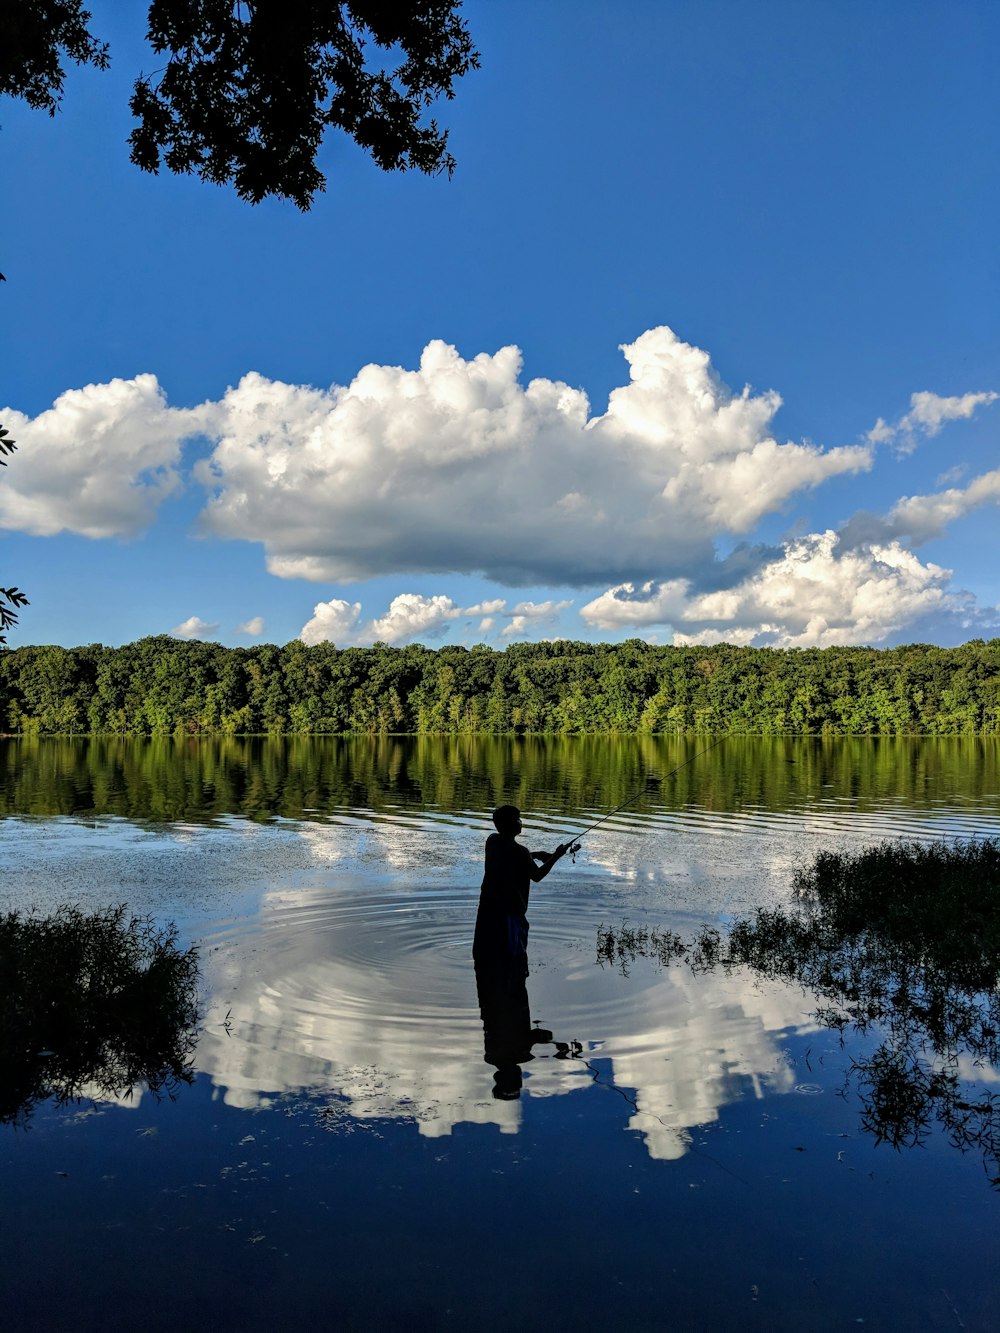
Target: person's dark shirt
x=508, y=876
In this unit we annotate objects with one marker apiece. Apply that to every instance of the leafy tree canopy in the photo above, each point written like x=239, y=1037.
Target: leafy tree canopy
x=249, y=89
x=10, y=598
x=161, y=686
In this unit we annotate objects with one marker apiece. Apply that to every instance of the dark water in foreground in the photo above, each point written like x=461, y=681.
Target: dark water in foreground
x=687, y=1150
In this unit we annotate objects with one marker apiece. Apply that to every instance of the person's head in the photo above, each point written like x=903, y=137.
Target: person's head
x=507, y=819
x=507, y=1083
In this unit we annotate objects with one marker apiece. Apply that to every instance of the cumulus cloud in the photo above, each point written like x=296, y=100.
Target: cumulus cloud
x=813, y=595
x=97, y=463
x=459, y=467
x=411, y=617
x=335, y=621
x=928, y=413
x=862, y=584
x=526, y=617
x=916, y=519
x=195, y=628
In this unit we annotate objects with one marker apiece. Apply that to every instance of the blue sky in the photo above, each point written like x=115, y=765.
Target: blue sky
x=787, y=213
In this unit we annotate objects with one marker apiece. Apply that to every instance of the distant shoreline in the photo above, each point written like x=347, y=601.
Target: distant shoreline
x=162, y=687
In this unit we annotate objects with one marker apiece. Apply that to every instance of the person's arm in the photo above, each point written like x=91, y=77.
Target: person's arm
x=547, y=861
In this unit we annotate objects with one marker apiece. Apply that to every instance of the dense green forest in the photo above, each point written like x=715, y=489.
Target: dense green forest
x=162, y=686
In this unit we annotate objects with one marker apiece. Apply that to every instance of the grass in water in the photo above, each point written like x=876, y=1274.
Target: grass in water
x=92, y=1004
x=901, y=940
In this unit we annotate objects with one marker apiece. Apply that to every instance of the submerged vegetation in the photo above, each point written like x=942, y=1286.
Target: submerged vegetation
x=92, y=1004
x=900, y=941
x=162, y=686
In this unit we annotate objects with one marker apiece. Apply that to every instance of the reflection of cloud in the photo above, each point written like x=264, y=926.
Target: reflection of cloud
x=708, y=1042
x=372, y=1001
x=101, y=1096
x=331, y=1028
x=974, y=1071
x=390, y=841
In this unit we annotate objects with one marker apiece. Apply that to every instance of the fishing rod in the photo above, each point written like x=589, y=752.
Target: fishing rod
x=575, y=839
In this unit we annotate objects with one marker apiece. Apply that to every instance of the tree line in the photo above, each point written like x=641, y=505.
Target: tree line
x=161, y=686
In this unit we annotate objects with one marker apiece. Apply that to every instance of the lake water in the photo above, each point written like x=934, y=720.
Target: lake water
x=687, y=1150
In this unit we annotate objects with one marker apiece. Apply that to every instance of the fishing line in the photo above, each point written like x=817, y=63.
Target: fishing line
x=633, y=1102
x=639, y=790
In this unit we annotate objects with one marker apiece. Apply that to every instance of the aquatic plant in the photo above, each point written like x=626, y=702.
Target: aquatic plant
x=92, y=1004
x=901, y=940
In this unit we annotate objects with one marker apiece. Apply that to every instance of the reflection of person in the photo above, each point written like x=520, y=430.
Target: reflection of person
x=501, y=939
x=507, y=1032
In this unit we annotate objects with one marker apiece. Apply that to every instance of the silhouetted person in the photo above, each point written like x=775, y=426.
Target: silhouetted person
x=501, y=938
x=500, y=950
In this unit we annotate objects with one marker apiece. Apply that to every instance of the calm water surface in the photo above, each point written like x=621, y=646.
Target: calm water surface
x=686, y=1150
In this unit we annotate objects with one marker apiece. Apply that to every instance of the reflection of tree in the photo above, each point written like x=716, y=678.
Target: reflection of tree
x=92, y=1005
x=901, y=941
x=263, y=776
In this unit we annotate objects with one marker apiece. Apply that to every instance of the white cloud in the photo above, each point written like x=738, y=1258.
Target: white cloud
x=518, y=625
x=916, y=519
x=334, y=621
x=195, y=628
x=625, y=606
x=527, y=616
x=922, y=517
x=862, y=584
x=458, y=467
x=411, y=616
x=813, y=595
x=928, y=413
x=98, y=462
